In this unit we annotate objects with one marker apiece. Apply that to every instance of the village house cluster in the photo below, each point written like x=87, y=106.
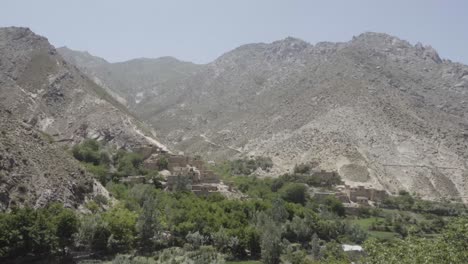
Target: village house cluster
x=354, y=197
x=202, y=181
x=176, y=169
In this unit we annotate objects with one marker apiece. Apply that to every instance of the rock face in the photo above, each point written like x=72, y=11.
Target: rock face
x=377, y=109
x=46, y=103
x=39, y=87
x=34, y=171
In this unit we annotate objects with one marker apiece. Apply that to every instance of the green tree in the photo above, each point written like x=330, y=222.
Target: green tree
x=278, y=211
x=67, y=224
x=42, y=235
x=93, y=233
x=148, y=225
x=294, y=192
x=315, y=246
x=121, y=222
x=271, y=243
x=451, y=247
x=301, y=230
x=196, y=239
x=334, y=205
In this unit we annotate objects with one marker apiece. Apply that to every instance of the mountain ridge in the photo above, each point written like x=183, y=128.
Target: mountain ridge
x=377, y=109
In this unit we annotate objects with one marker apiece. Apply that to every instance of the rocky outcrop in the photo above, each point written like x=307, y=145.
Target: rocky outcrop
x=34, y=171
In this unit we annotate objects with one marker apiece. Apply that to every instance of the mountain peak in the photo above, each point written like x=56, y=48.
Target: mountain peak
x=379, y=39
x=23, y=38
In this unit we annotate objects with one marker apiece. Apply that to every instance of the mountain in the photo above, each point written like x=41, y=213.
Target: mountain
x=46, y=104
x=377, y=109
x=39, y=87
x=131, y=81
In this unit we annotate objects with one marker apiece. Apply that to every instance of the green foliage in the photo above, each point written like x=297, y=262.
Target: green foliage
x=334, y=205
x=278, y=211
x=93, y=233
x=41, y=232
x=278, y=222
x=205, y=254
x=271, y=243
x=196, y=240
x=100, y=200
x=181, y=184
x=128, y=163
x=247, y=166
x=294, y=193
x=94, y=158
x=302, y=168
x=100, y=171
x=451, y=247
x=87, y=151
x=299, y=230
x=121, y=223
x=306, y=176
x=405, y=201
x=92, y=206
x=108, y=165
x=66, y=225
x=148, y=225
x=163, y=163
x=127, y=259
x=333, y=252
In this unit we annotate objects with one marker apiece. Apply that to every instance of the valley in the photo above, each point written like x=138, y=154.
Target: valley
x=282, y=152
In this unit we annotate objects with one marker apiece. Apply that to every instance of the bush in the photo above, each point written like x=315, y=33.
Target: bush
x=302, y=168
x=100, y=171
x=206, y=254
x=163, y=163
x=334, y=205
x=100, y=200
x=294, y=192
x=128, y=163
x=87, y=151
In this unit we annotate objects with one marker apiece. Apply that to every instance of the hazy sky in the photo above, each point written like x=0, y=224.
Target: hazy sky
x=201, y=30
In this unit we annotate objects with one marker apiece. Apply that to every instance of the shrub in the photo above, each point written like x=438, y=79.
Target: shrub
x=87, y=151
x=163, y=163
x=100, y=200
x=128, y=163
x=334, y=205
x=302, y=168
x=100, y=171
x=294, y=192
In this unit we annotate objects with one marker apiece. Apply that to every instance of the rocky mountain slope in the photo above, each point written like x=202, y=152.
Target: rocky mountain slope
x=39, y=87
x=41, y=95
x=377, y=109
x=34, y=171
x=132, y=81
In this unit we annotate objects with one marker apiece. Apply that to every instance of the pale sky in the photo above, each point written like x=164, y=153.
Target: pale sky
x=202, y=30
